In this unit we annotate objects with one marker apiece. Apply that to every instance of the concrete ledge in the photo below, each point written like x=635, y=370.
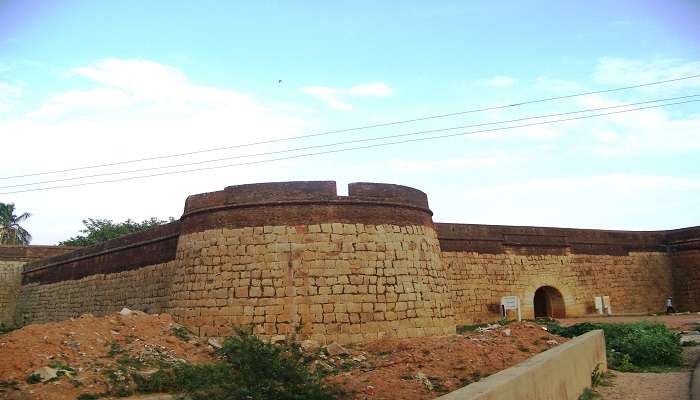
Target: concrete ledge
x=561, y=373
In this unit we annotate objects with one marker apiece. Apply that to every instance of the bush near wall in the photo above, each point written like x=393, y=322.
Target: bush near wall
x=250, y=369
x=636, y=347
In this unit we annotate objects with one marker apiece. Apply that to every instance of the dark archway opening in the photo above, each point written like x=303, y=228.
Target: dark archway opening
x=549, y=303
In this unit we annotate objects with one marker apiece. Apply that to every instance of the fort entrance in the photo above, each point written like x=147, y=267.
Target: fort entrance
x=549, y=303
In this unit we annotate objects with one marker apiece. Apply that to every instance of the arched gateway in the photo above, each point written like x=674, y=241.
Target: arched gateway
x=549, y=303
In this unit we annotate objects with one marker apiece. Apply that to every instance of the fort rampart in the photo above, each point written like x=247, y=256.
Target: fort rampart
x=12, y=258
x=295, y=255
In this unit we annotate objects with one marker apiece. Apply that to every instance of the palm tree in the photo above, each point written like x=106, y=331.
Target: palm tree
x=10, y=230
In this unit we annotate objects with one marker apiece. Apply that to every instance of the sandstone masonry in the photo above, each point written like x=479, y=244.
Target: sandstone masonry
x=296, y=256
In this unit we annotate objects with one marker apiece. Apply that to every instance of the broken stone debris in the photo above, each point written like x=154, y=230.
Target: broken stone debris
x=309, y=345
x=278, y=338
x=334, y=349
x=423, y=379
x=215, y=343
x=46, y=373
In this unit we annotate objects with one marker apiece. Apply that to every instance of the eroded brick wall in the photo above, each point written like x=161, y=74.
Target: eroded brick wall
x=338, y=281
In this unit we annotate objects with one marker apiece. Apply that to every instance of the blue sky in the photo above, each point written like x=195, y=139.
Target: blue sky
x=91, y=82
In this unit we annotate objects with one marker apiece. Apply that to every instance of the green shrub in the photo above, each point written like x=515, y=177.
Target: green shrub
x=588, y=394
x=180, y=332
x=251, y=370
x=7, y=328
x=632, y=346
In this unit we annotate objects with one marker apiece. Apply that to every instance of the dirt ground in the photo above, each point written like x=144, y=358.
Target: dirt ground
x=402, y=368
x=646, y=386
x=95, y=352
x=91, y=347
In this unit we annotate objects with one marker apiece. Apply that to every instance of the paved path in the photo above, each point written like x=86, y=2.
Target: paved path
x=695, y=382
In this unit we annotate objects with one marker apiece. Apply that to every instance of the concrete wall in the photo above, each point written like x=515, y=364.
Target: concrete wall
x=561, y=373
x=12, y=258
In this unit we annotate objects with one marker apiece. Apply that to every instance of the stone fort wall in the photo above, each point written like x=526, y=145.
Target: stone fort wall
x=488, y=262
x=12, y=258
x=295, y=255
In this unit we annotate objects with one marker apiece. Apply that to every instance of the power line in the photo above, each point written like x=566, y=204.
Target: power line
x=342, y=143
x=324, y=133
x=347, y=149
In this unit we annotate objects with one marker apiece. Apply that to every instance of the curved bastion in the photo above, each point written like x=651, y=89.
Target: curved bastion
x=295, y=255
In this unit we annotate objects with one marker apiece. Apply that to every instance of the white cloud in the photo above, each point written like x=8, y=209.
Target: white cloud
x=644, y=131
x=623, y=71
x=330, y=95
x=9, y=95
x=132, y=109
x=500, y=81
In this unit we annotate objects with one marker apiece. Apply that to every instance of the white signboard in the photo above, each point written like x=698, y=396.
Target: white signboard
x=511, y=303
x=598, y=304
x=606, y=304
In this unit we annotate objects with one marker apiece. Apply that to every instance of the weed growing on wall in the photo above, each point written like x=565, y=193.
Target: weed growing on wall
x=639, y=346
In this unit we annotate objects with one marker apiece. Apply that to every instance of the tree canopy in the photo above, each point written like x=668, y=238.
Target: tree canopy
x=100, y=230
x=11, y=232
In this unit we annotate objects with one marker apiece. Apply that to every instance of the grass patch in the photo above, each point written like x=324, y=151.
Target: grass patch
x=89, y=396
x=131, y=362
x=348, y=366
x=632, y=347
x=114, y=349
x=588, y=394
x=181, y=332
x=523, y=348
